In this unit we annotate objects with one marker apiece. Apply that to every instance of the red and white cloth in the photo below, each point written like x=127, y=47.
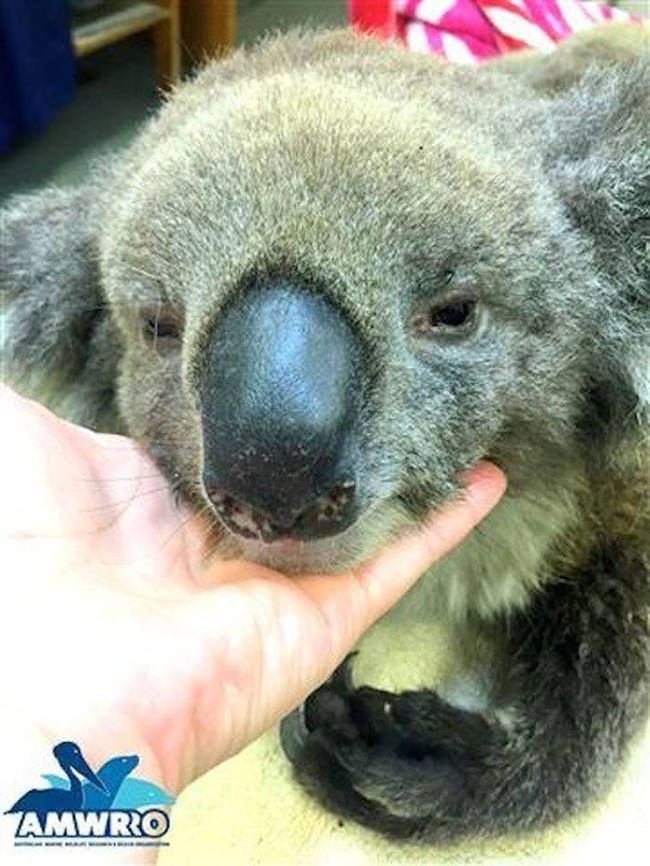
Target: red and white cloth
x=468, y=31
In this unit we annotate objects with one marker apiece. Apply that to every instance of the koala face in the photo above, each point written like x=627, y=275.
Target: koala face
x=329, y=309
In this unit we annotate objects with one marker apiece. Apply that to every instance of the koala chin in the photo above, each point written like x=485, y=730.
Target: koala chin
x=329, y=276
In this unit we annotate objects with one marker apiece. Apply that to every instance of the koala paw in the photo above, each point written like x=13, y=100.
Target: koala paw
x=405, y=764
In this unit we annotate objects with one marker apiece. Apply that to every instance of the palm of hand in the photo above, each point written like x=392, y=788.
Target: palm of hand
x=128, y=642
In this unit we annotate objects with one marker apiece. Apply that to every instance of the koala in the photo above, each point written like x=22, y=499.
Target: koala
x=326, y=278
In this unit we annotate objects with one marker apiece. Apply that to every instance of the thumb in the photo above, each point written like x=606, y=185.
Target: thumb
x=370, y=589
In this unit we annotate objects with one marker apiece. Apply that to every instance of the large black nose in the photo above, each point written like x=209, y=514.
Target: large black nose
x=280, y=398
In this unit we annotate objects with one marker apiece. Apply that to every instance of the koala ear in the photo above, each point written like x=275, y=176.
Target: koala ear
x=57, y=343
x=598, y=158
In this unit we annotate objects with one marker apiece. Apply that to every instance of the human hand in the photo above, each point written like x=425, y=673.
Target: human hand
x=116, y=634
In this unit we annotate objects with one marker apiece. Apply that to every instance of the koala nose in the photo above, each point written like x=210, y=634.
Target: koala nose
x=280, y=403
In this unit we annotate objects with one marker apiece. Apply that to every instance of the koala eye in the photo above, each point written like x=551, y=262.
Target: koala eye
x=454, y=316
x=451, y=316
x=159, y=329
x=162, y=328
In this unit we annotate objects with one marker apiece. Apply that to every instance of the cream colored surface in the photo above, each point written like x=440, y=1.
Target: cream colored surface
x=249, y=812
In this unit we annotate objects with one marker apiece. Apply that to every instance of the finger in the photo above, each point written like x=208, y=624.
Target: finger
x=67, y=482
x=388, y=575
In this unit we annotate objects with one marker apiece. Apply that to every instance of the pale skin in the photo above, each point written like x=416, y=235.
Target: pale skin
x=117, y=633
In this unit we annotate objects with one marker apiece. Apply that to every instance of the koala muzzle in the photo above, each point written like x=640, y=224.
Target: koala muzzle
x=280, y=398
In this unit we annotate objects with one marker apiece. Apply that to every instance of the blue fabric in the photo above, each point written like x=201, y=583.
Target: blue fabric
x=37, y=65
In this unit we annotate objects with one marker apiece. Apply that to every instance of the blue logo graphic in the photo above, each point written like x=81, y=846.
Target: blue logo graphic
x=105, y=804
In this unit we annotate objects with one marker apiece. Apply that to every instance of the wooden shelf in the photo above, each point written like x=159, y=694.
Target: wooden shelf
x=115, y=22
x=209, y=26
x=119, y=19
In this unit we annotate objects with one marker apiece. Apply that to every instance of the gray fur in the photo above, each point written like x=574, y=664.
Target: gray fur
x=383, y=180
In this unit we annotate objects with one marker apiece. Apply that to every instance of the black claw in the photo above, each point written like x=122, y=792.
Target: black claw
x=294, y=733
x=327, y=710
x=341, y=679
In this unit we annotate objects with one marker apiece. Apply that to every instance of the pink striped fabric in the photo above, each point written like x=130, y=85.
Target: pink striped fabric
x=468, y=31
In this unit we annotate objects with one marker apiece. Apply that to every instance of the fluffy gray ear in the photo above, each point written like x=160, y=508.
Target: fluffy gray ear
x=58, y=344
x=598, y=157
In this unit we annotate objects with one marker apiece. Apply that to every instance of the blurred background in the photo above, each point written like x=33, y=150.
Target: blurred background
x=124, y=51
